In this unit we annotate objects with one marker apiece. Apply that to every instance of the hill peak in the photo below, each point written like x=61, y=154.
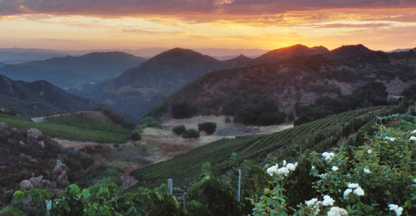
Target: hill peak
x=348, y=51
x=291, y=51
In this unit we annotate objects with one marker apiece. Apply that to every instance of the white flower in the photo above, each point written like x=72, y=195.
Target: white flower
x=347, y=193
x=311, y=202
x=272, y=170
x=359, y=191
x=353, y=185
x=328, y=156
x=334, y=168
x=284, y=162
x=328, y=201
x=391, y=139
x=396, y=208
x=369, y=151
x=291, y=166
x=313, y=167
x=336, y=211
x=412, y=138
x=413, y=131
x=367, y=170
x=323, y=175
x=283, y=171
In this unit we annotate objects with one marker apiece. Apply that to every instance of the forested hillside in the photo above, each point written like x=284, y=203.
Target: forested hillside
x=39, y=98
x=245, y=92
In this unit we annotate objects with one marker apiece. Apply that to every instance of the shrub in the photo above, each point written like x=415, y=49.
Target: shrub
x=191, y=133
x=208, y=127
x=227, y=119
x=150, y=122
x=135, y=136
x=265, y=112
x=179, y=130
x=291, y=117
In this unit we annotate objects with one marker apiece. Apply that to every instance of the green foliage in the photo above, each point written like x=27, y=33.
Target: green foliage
x=10, y=211
x=84, y=120
x=371, y=94
x=212, y=196
x=104, y=199
x=95, y=133
x=182, y=110
x=364, y=180
x=208, y=127
x=179, y=130
x=190, y=134
x=264, y=112
x=410, y=93
x=135, y=136
x=149, y=122
x=120, y=120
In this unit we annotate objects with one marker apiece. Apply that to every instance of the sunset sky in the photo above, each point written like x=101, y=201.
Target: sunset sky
x=265, y=24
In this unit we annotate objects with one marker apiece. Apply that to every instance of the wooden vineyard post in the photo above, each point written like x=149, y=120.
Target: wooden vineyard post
x=170, y=189
x=48, y=206
x=239, y=185
x=184, y=201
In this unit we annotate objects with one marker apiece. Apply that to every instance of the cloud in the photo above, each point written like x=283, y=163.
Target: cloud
x=150, y=31
x=207, y=10
x=342, y=25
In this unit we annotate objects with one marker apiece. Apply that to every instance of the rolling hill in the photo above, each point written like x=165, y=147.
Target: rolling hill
x=69, y=71
x=350, y=51
x=300, y=79
x=39, y=98
x=2, y=64
x=273, y=56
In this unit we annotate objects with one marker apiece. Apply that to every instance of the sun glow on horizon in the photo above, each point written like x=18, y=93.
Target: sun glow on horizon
x=377, y=29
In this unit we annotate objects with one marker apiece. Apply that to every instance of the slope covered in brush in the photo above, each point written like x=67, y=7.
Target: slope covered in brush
x=296, y=80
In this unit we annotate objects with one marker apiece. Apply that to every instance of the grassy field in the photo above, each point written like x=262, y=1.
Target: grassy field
x=72, y=127
x=319, y=136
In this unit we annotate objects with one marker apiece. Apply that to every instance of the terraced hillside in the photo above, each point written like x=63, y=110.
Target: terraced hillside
x=75, y=126
x=318, y=135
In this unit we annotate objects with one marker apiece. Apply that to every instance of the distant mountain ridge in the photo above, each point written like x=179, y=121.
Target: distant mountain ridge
x=72, y=71
x=287, y=52
x=39, y=98
x=20, y=55
x=348, y=52
x=2, y=64
x=136, y=90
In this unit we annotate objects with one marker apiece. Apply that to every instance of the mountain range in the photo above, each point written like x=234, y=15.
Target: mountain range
x=39, y=98
x=140, y=88
x=69, y=71
x=19, y=55
x=299, y=79
x=145, y=83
